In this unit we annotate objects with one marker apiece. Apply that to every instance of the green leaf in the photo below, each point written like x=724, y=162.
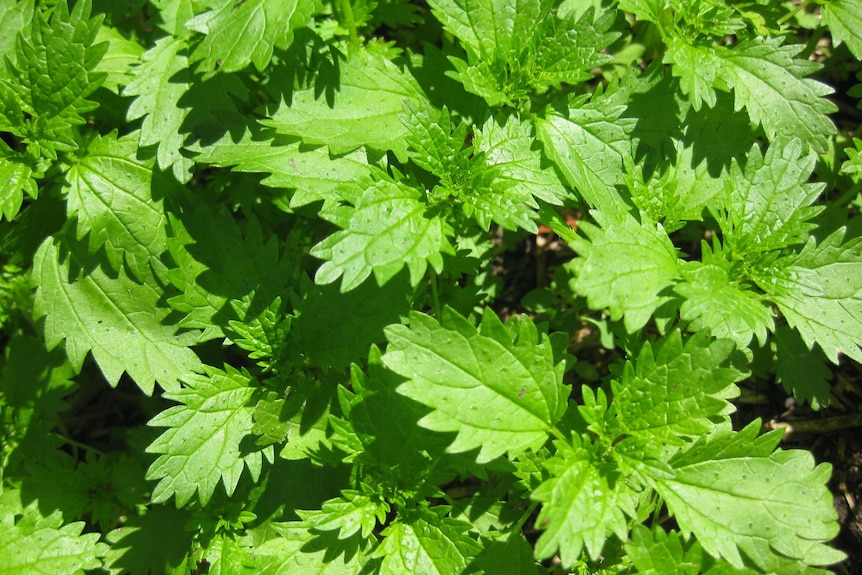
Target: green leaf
x=767, y=205
x=110, y=197
x=582, y=504
x=173, y=15
x=698, y=67
x=33, y=544
x=766, y=80
x=646, y=10
x=514, y=48
x=490, y=84
x=311, y=172
x=496, y=178
x=201, y=446
x=511, y=153
x=819, y=292
x=738, y=496
x=491, y=29
x=271, y=419
x=853, y=165
x=844, y=20
x=625, y=266
x=498, y=386
x=52, y=76
x=296, y=549
x=803, y=372
x=388, y=229
x=248, y=32
x=119, y=59
x=505, y=551
x=361, y=108
x=723, y=307
x=567, y=49
x=674, y=387
x=15, y=17
x=656, y=552
x=426, y=543
x=18, y=174
x=350, y=514
x=226, y=556
x=160, y=81
x=118, y=320
x=588, y=146
x=263, y=333
x=434, y=145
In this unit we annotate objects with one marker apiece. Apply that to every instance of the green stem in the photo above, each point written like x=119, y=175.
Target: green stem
x=812, y=43
x=526, y=515
x=845, y=198
x=435, y=295
x=349, y=22
x=792, y=13
x=559, y=434
x=77, y=444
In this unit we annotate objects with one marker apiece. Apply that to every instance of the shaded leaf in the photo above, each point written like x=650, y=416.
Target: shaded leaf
x=426, y=543
x=33, y=544
x=498, y=386
x=118, y=320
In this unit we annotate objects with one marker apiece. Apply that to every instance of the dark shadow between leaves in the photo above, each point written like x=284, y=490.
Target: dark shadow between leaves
x=332, y=546
x=286, y=486
x=719, y=135
x=333, y=339
x=309, y=59
x=152, y=543
x=212, y=109
x=657, y=113
x=387, y=423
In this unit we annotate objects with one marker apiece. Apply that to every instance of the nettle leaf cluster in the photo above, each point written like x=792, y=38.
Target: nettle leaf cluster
x=276, y=228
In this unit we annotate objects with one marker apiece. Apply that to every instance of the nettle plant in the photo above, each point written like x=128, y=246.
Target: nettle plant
x=276, y=228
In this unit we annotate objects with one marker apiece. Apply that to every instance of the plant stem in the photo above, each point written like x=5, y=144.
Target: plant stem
x=349, y=22
x=77, y=444
x=558, y=434
x=435, y=295
x=812, y=43
x=792, y=13
x=526, y=515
